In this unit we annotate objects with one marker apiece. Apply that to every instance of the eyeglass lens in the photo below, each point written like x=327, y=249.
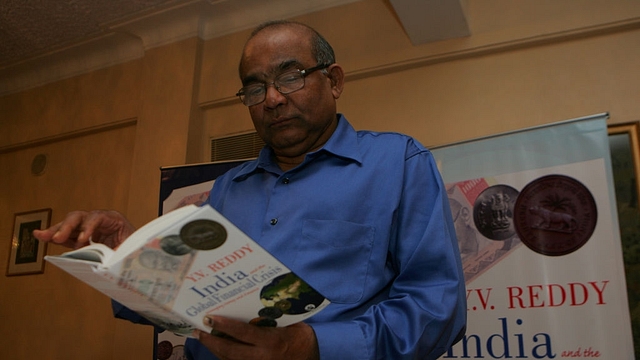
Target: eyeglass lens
x=285, y=83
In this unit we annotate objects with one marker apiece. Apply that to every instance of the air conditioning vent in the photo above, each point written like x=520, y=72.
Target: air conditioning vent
x=236, y=147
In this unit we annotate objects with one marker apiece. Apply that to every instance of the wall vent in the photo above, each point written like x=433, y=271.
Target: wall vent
x=236, y=147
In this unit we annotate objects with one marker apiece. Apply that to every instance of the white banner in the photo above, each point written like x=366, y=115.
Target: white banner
x=537, y=227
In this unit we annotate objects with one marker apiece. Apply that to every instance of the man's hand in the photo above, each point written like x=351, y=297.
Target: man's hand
x=79, y=227
x=246, y=341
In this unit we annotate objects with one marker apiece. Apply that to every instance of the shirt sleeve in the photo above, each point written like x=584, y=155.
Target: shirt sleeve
x=424, y=312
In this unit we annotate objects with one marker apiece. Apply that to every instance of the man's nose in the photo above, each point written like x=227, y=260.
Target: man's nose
x=273, y=97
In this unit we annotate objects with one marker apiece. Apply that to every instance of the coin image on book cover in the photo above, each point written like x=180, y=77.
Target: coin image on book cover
x=203, y=234
x=154, y=259
x=270, y=312
x=555, y=215
x=493, y=212
x=173, y=245
x=299, y=296
x=283, y=305
x=263, y=322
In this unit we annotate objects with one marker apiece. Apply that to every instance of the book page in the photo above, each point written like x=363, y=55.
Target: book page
x=95, y=252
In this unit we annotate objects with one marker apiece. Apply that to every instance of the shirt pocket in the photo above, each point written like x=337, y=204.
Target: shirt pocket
x=336, y=255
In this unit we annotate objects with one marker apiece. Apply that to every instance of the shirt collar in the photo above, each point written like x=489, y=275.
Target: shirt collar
x=343, y=143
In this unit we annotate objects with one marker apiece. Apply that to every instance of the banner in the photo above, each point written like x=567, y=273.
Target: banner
x=536, y=221
x=180, y=186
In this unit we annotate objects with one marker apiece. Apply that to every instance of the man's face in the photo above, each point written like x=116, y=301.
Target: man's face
x=299, y=122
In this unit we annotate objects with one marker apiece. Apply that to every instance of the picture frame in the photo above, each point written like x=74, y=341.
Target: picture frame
x=26, y=253
x=625, y=155
x=625, y=162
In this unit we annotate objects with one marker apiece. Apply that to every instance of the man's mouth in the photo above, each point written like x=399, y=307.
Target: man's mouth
x=280, y=122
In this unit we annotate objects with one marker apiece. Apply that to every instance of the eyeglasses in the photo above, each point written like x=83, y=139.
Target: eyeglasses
x=285, y=83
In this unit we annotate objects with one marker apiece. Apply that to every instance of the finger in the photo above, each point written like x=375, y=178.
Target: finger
x=71, y=230
x=92, y=225
x=46, y=234
x=235, y=329
x=108, y=227
x=63, y=233
x=224, y=347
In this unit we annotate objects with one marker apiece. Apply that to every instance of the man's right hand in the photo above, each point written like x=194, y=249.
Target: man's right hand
x=79, y=227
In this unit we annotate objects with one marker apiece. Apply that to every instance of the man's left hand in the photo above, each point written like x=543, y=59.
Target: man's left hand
x=246, y=341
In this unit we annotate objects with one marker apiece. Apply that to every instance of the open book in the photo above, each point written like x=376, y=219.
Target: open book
x=189, y=263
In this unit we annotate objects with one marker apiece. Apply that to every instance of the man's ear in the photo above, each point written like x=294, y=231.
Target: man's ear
x=336, y=76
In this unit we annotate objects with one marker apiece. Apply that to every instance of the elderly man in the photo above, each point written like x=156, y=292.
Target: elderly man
x=362, y=216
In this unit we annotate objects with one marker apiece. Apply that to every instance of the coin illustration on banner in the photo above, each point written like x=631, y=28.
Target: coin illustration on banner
x=493, y=212
x=164, y=349
x=203, y=234
x=555, y=215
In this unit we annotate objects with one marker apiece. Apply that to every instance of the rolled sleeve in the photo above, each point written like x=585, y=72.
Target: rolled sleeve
x=341, y=340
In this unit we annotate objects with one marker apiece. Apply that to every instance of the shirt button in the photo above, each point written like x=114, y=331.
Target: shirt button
x=285, y=180
x=273, y=221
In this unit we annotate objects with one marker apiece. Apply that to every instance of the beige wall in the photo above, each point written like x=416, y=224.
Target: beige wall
x=106, y=133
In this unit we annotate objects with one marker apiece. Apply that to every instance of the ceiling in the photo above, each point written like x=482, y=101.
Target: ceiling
x=38, y=38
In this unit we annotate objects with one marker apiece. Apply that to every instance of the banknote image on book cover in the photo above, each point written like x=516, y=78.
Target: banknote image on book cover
x=164, y=261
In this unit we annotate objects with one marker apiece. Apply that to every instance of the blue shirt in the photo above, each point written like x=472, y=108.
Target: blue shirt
x=366, y=222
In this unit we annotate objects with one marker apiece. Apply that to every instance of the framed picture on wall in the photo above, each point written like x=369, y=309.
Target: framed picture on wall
x=625, y=161
x=26, y=253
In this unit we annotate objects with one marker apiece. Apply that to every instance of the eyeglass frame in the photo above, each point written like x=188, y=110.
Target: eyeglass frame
x=303, y=73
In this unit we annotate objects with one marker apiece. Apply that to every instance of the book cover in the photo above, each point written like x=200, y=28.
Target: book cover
x=189, y=263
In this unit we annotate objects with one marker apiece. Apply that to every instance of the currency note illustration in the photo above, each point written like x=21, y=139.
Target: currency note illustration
x=158, y=268
x=483, y=218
